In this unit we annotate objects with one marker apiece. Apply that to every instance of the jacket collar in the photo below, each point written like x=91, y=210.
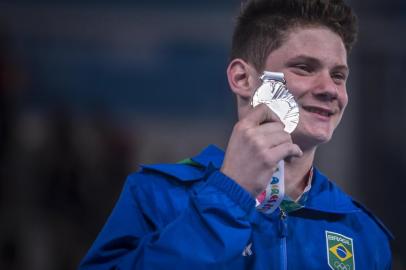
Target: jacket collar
x=324, y=196
x=211, y=155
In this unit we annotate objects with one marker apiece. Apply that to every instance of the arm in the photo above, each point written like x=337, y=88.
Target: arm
x=212, y=230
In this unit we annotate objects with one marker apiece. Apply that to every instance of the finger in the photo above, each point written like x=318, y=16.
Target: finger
x=285, y=150
x=271, y=134
x=259, y=115
x=269, y=128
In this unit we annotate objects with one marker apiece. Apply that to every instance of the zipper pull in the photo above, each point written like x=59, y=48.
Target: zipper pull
x=283, y=225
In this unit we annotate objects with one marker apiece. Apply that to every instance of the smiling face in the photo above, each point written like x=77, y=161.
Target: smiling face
x=314, y=61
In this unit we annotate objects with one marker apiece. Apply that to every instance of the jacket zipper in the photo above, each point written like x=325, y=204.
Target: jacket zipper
x=283, y=233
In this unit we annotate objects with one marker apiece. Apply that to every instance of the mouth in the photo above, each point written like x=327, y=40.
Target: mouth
x=318, y=110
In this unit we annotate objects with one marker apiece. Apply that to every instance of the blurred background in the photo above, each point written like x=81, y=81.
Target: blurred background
x=91, y=89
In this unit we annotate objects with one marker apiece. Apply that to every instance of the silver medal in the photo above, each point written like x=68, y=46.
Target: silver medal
x=276, y=96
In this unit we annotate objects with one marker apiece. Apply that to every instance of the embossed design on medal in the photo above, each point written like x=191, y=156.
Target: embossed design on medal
x=276, y=96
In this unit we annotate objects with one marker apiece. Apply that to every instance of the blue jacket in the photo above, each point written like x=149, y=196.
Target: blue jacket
x=184, y=216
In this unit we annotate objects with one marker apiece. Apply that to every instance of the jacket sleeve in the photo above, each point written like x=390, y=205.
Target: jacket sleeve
x=211, y=231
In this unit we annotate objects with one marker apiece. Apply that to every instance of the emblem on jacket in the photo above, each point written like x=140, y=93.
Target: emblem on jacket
x=247, y=250
x=340, y=251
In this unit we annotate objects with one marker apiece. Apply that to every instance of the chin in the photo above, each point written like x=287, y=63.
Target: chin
x=308, y=141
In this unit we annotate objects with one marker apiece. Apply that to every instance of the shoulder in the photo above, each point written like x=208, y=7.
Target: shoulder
x=326, y=196
x=375, y=225
x=373, y=236
x=153, y=184
x=161, y=191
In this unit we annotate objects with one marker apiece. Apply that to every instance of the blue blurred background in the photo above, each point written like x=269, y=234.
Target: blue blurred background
x=91, y=89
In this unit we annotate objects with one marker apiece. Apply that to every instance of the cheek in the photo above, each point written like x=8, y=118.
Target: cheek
x=298, y=85
x=296, y=89
x=343, y=99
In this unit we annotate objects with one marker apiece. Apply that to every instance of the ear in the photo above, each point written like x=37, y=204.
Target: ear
x=242, y=78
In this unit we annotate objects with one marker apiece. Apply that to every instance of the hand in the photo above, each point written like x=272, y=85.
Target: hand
x=257, y=143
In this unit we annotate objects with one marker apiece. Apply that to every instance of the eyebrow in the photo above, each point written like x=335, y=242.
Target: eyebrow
x=314, y=61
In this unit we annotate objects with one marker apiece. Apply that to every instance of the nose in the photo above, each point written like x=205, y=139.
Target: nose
x=326, y=89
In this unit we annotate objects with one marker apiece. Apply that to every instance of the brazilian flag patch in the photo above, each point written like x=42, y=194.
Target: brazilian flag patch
x=340, y=251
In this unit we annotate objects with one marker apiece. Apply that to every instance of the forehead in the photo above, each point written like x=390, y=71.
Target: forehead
x=317, y=42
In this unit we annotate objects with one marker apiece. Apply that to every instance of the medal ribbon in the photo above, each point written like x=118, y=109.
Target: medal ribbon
x=272, y=197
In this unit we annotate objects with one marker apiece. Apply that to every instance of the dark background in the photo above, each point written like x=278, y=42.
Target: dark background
x=90, y=89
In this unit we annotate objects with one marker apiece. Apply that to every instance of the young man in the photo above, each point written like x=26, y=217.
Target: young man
x=202, y=214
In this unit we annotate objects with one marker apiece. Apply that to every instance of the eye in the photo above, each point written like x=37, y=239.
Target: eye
x=302, y=68
x=339, y=77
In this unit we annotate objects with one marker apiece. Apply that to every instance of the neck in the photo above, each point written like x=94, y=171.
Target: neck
x=297, y=173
